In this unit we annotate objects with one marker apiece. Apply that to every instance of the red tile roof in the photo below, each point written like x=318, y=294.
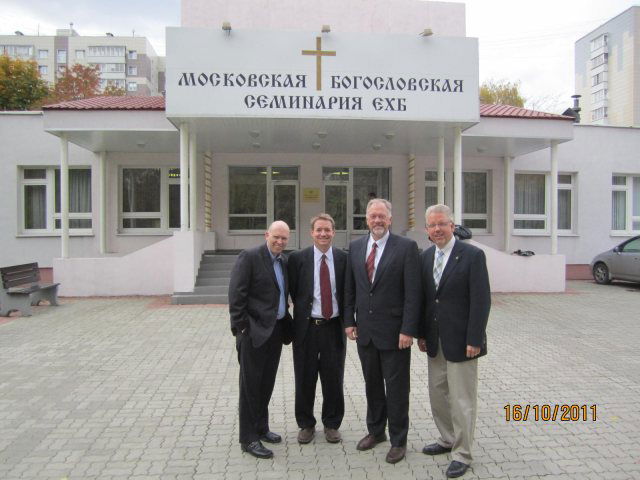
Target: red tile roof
x=158, y=103
x=111, y=103
x=507, y=111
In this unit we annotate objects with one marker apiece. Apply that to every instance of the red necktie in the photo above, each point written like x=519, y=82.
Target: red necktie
x=371, y=261
x=326, y=301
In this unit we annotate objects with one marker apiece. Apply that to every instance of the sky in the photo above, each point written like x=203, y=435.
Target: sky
x=530, y=42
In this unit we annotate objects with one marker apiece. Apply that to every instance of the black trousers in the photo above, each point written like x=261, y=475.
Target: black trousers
x=258, y=369
x=321, y=353
x=386, y=376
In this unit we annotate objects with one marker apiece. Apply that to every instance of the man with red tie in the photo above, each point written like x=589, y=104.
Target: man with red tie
x=382, y=312
x=316, y=286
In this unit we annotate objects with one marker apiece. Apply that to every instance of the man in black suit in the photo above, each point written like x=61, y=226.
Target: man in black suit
x=316, y=285
x=457, y=300
x=382, y=312
x=258, y=293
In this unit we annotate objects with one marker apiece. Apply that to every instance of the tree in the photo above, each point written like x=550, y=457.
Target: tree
x=21, y=87
x=114, y=91
x=501, y=93
x=76, y=83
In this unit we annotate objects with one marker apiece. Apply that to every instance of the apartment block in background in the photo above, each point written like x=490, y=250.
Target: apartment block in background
x=130, y=63
x=607, y=71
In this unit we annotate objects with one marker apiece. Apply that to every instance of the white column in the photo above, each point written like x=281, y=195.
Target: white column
x=193, y=182
x=554, y=198
x=508, y=202
x=102, y=212
x=64, y=195
x=184, y=177
x=441, y=170
x=411, y=221
x=457, y=175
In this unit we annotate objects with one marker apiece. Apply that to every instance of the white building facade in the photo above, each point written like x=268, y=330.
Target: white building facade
x=267, y=125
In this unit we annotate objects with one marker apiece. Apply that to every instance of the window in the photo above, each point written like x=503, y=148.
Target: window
x=599, y=42
x=132, y=86
x=43, y=70
x=625, y=203
x=61, y=56
x=109, y=67
x=79, y=54
x=599, y=114
x=367, y=183
x=41, y=199
x=106, y=51
x=17, y=51
x=132, y=70
x=42, y=54
x=475, y=197
x=61, y=69
x=475, y=200
x=150, y=199
x=598, y=79
x=599, y=96
x=250, y=205
x=530, y=212
x=132, y=55
x=111, y=82
x=599, y=60
x=565, y=201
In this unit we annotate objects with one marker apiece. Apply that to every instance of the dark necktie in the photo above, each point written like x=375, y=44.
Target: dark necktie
x=325, y=289
x=371, y=261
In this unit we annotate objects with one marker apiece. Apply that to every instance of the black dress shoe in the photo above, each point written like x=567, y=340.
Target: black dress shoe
x=456, y=469
x=435, y=449
x=271, y=437
x=256, y=449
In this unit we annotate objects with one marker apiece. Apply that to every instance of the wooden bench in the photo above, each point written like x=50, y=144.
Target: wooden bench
x=21, y=288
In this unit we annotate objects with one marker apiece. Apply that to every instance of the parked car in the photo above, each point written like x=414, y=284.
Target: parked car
x=622, y=262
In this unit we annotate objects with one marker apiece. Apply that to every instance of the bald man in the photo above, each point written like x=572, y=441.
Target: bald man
x=261, y=323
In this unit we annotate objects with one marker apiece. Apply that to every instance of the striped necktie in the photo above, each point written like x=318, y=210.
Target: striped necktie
x=438, y=267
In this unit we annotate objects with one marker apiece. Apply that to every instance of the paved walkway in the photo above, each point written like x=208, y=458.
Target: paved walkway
x=137, y=388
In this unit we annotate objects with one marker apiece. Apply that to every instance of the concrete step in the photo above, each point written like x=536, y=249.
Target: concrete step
x=198, y=299
x=214, y=274
x=210, y=281
x=211, y=289
x=219, y=259
x=220, y=267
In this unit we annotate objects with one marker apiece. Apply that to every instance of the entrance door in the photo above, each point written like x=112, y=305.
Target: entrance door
x=335, y=204
x=285, y=207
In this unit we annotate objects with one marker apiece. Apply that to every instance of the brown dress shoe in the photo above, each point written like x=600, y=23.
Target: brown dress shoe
x=370, y=441
x=305, y=435
x=396, y=454
x=332, y=435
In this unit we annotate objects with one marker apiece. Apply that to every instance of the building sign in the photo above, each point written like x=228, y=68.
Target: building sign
x=300, y=75
x=310, y=195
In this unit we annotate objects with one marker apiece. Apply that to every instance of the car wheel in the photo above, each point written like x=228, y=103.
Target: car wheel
x=601, y=273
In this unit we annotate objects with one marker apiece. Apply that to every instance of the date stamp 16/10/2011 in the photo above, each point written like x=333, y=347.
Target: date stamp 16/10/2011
x=547, y=412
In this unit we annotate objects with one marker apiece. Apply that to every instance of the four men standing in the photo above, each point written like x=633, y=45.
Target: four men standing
x=383, y=295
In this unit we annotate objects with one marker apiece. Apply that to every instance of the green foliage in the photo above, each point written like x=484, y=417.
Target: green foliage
x=21, y=87
x=113, y=91
x=501, y=93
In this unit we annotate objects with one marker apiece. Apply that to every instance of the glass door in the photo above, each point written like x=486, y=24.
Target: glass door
x=285, y=207
x=336, y=201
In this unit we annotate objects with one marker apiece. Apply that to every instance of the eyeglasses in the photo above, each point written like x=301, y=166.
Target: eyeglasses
x=440, y=225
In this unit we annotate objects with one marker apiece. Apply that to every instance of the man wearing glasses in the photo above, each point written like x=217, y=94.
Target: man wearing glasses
x=457, y=300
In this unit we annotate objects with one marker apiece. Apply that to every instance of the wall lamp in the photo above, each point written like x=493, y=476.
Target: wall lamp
x=427, y=32
x=326, y=28
x=226, y=26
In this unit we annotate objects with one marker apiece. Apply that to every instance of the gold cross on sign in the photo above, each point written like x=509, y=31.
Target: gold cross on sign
x=318, y=53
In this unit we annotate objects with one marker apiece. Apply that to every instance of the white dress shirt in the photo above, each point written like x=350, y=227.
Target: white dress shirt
x=381, y=244
x=316, y=308
x=447, y=253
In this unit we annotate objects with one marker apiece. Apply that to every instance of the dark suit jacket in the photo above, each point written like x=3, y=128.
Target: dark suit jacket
x=301, y=288
x=459, y=310
x=389, y=306
x=254, y=295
